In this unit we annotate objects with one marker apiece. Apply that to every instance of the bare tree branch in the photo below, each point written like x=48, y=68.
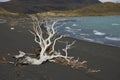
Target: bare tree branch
x=46, y=50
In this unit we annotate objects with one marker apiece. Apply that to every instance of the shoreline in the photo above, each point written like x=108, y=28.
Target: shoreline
x=62, y=14
x=53, y=14
x=28, y=19
x=109, y=45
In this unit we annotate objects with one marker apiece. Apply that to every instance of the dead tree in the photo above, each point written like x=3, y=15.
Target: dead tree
x=46, y=50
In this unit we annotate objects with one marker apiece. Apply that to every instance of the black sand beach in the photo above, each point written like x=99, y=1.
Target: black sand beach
x=102, y=57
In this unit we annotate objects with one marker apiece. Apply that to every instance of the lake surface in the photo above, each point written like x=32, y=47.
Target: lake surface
x=103, y=29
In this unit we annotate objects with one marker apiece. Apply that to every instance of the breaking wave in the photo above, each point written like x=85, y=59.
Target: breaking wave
x=70, y=31
x=88, y=39
x=83, y=34
x=115, y=24
x=74, y=25
x=98, y=33
x=73, y=31
x=112, y=38
x=67, y=27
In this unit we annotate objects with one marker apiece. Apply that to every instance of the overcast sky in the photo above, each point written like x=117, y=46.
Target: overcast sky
x=4, y=0
x=110, y=1
x=99, y=0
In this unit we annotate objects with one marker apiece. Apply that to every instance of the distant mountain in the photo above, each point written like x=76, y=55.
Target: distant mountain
x=33, y=6
x=102, y=9
x=3, y=12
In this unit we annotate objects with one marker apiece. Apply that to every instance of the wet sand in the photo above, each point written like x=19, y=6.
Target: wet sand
x=102, y=57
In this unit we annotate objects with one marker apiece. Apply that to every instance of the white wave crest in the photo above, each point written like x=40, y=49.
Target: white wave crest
x=67, y=27
x=112, y=38
x=73, y=30
x=98, y=33
x=88, y=39
x=70, y=31
x=74, y=25
x=83, y=34
x=78, y=29
x=115, y=24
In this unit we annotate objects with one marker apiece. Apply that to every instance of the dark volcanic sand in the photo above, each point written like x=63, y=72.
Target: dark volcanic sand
x=105, y=58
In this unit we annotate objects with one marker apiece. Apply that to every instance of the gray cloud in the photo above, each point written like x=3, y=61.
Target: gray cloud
x=110, y=1
x=4, y=0
x=99, y=0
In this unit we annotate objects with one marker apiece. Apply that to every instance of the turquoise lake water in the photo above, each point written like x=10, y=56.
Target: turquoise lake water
x=102, y=29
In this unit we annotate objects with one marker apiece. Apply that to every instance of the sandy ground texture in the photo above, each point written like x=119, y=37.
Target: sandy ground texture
x=104, y=58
